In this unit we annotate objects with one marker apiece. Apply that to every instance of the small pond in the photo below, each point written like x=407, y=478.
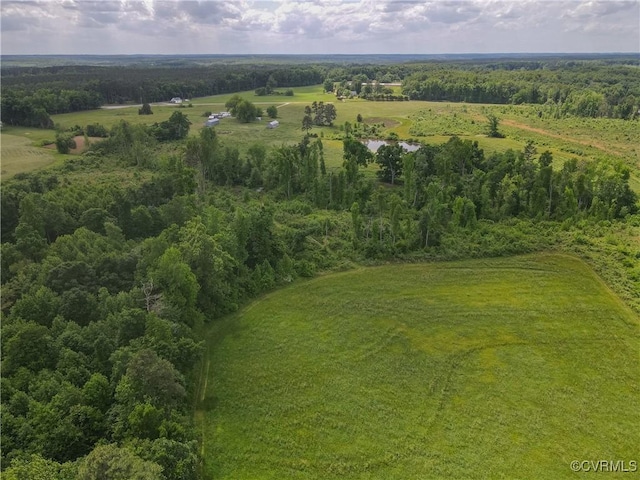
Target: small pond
x=374, y=145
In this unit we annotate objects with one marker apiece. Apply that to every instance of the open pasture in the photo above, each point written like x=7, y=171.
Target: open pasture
x=301, y=94
x=18, y=153
x=499, y=368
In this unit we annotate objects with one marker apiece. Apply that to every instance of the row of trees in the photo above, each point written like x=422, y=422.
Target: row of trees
x=144, y=83
x=31, y=95
x=270, y=88
x=387, y=97
x=580, y=87
x=319, y=114
x=588, y=94
x=32, y=108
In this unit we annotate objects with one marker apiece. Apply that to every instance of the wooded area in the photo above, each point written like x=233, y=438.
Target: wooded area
x=115, y=262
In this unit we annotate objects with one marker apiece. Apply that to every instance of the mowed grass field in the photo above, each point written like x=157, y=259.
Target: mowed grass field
x=18, y=153
x=498, y=368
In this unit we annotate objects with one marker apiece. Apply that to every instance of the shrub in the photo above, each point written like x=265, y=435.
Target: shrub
x=492, y=128
x=145, y=109
x=96, y=130
x=64, y=143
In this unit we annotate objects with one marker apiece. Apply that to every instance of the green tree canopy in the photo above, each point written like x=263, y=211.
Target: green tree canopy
x=110, y=462
x=389, y=157
x=272, y=111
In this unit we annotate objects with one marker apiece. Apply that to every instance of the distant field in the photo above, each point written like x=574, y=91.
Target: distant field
x=301, y=94
x=502, y=368
x=19, y=155
x=431, y=122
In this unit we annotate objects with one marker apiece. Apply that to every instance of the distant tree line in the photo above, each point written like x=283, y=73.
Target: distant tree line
x=152, y=84
x=579, y=87
x=29, y=95
x=385, y=97
x=33, y=108
x=588, y=88
x=270, y=88
x=583, y=90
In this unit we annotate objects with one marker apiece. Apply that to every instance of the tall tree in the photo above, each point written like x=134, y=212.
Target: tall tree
x=355, y=154
x=115, y=463
x=433, y=215
x=307, y=120
x=492, y=127
x=272, y=111
x=178, y=284
x=389, y=157
x=245, y=111
x=145, y=109
x=271, y=84
x=329, y=114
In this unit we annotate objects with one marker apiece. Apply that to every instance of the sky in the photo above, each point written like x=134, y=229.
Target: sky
x=317, y=26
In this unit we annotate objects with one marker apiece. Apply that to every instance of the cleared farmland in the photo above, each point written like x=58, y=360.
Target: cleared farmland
x=503, y=368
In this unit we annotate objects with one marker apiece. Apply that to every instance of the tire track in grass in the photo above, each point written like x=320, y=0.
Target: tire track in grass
x=546, y=133
x=198, y=412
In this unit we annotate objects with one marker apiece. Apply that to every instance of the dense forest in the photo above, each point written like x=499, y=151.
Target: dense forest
x=29, y=92
x=115, y=262
x=107, y=286
x=579, y=90
x=580, y=87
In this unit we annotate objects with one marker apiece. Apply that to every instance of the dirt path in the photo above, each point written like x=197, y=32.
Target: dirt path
x=590, y=143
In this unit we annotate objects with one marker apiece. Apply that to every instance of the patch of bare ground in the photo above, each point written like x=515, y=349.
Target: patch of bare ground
x=387, y=122
x=81, y=145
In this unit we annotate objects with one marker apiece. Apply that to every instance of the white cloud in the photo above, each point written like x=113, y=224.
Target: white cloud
x=318, y=26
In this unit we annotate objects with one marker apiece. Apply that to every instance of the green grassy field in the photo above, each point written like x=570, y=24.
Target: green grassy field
x=19, y=154
x=500, y=368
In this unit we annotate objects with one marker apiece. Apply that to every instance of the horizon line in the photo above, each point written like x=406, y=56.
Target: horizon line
x=309, y=54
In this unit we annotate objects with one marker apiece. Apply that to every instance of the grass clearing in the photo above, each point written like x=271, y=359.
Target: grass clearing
x=508, y=367
x=301, y=94
x=19, y=154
